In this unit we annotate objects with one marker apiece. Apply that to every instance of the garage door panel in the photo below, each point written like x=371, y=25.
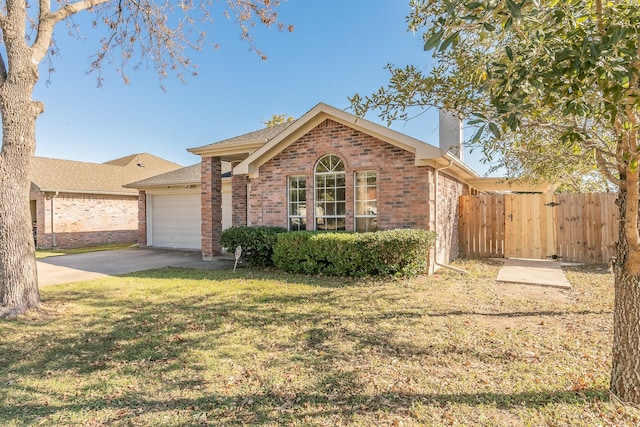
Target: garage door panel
x=176, y=221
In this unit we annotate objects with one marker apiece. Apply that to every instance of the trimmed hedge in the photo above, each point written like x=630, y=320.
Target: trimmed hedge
x=256, y=242
x=395, y=252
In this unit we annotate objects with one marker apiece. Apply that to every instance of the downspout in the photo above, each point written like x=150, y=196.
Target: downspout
x=436, y=172
x=53, y=230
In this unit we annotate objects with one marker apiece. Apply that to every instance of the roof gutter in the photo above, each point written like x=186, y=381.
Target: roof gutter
x=103, y=193
x=436, y=174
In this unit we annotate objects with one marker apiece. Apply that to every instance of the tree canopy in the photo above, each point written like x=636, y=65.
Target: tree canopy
x=278, y=119
x=542, y=81
x=552, y=86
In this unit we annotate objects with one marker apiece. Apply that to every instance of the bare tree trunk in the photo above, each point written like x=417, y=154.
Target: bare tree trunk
x=625, y=373
x=18, y=275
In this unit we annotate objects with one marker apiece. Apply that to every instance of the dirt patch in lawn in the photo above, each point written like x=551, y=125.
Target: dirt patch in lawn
x=535, y=293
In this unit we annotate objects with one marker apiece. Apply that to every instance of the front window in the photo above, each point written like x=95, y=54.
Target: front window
x=366, y=201
x=297, y=203
x=330, y=186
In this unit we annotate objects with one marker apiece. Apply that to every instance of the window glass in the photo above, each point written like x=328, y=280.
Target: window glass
x=366, y=201
x=330, y=208
x=297, y=196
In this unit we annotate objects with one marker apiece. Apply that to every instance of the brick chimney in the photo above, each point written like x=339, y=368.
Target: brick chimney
x=451, y=136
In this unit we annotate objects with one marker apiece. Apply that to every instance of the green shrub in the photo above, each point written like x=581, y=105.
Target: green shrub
x=256, y=242
x=393, y=252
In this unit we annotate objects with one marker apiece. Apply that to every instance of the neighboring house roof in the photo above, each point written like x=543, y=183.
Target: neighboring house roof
x=189, y=175
x=253, y=153
x=96, y=178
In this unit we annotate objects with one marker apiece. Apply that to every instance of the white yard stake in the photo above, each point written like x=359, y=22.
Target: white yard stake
x=237, y=255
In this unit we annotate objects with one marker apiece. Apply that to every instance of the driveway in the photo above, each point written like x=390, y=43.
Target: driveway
x=72, y=268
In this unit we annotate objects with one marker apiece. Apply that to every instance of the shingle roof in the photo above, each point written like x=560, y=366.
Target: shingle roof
x=262, y=135
x=96, y=178
x=189, y=175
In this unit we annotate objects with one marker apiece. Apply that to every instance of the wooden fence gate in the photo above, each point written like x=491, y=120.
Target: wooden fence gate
x=568, y=227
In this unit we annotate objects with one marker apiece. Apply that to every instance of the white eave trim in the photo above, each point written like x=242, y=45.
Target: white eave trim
x=98, y=192
x=459, y=168
x=228, y=149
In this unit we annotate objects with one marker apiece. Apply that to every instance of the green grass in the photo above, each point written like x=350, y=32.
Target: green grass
x=175, y=347
x=45, y=253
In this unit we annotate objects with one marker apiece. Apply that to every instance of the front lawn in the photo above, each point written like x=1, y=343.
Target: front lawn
x=176, y=347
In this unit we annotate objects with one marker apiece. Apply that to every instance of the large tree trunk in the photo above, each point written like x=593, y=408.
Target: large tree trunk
x=18, y=275
x=625, y=373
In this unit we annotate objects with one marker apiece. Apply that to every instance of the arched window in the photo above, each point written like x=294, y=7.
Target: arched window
x=330, y=185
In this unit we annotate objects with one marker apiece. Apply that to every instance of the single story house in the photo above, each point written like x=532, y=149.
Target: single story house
x=327, y=170
x=77, y=204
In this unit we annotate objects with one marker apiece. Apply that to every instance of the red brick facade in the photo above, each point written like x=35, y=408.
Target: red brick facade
x=404, y=190
x=84, y=220
x=402, y=193
x=449, y=192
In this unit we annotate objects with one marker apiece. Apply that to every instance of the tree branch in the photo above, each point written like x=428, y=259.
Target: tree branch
x=604, y=167
x=47, y=21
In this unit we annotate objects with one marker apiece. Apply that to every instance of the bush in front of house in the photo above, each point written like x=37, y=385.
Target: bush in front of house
x=256, y=243
x=402, y=252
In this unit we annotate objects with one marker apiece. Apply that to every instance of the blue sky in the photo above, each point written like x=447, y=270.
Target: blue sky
x=338, y=48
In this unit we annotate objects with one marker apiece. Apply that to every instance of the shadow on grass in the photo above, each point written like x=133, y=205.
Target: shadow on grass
x=151, y=336
x=273, y=407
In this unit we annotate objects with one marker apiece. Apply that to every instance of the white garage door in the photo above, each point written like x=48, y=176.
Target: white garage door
x=175, y=221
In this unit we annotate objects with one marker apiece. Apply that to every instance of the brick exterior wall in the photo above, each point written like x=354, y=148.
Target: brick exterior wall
x=239, y=198
x=84, y=220
x=142, y=218
x=405, y=191
x=211, y=169
x=403, y=188
x=447, y=230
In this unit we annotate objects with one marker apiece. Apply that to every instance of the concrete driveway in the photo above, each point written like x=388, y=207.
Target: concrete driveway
x=72, y=268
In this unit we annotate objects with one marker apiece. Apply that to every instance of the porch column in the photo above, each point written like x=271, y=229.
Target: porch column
x=142, y=218
x=211, y=180
x=239, y=198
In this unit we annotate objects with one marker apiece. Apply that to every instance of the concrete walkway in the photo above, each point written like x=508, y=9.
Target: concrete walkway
x=93, y=265
x=533, y=272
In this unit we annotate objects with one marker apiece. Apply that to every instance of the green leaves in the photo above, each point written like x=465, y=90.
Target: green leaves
x=553, y=81
x=433, y=41
x=514, y=8
x=494, y=129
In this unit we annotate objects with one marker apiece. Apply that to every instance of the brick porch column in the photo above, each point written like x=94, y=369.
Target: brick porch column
x=211, y=180
x=142, y=218
x=239, y=199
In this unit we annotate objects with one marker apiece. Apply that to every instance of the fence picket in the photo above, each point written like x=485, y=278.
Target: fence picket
x=583, y=226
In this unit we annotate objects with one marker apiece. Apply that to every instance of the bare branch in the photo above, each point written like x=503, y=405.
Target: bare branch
x=48, y=20
x=74, y=8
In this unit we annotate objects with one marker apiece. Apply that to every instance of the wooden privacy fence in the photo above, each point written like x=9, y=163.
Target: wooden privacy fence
x=568, y=227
